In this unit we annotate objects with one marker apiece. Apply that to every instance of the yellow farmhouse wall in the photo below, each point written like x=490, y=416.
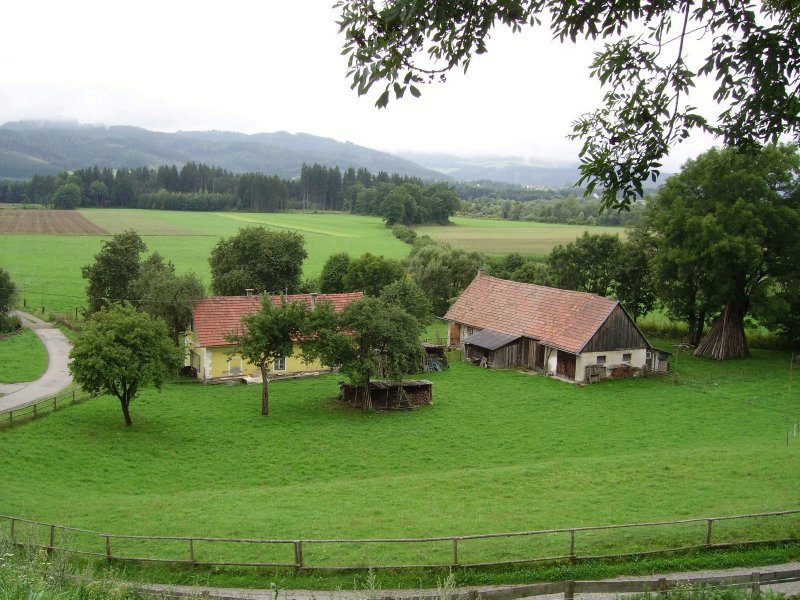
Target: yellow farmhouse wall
x=222, y=361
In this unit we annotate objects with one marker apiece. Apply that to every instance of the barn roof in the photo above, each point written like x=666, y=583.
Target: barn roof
x=563, y=319
x=490, y=339
x=216, y=317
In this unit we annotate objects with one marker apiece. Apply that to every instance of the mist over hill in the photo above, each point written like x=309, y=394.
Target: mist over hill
x=506, y=169
x=30, y=148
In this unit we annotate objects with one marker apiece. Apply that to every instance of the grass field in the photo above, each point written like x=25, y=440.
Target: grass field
x=23, y=357
x=501, y=237
x=498, y=451
x=47, y=268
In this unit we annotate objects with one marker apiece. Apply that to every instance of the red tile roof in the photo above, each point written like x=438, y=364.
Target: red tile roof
x=562, y=319
x=216, y=317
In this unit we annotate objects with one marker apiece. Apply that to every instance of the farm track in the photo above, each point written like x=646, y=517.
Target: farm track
x=48, y=222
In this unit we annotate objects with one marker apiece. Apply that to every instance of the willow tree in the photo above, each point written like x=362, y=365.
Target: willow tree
x=728, y=230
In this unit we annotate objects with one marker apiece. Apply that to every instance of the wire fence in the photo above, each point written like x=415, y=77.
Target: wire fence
x=14, y=416
x=572, y=544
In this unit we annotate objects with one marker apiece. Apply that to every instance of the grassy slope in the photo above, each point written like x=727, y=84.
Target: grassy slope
x=23, y=357
x=498, y=451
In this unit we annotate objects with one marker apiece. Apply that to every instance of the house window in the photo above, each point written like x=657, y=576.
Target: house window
x=601, y=360
x=626, y=358
x=279, y=364
x=468, y=331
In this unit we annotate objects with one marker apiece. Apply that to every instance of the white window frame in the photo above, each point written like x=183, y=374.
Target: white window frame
x=279, y=364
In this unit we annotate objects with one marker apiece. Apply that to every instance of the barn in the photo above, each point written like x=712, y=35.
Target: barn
x=573, y=335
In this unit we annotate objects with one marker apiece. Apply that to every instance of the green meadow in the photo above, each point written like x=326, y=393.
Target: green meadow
x=497, y=451
x=47, y=268
x=23, y=357
x=501, y=237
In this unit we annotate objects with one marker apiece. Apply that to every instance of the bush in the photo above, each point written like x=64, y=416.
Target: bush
x=9, y=323
x=404, y=234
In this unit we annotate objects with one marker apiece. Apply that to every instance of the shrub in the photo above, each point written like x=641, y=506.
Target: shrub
x=404, y=234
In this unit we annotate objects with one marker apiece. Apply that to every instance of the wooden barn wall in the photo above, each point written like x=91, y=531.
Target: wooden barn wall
x=518, y=354
x=619, y=331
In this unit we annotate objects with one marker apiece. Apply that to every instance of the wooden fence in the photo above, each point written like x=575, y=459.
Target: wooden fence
x=12, y=416
x=108, y=546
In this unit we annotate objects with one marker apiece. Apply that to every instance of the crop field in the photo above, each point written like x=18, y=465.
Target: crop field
x=47, y=266
x=497, y=451
x=501, y=237
x=47, y=221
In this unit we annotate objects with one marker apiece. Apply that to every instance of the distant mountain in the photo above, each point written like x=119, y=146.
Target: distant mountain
x=506, y=169
x=33, y=147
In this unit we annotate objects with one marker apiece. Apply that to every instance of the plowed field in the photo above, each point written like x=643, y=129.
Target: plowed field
x=47, y=221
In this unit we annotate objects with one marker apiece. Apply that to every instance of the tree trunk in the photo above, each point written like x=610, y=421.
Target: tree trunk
x=726, y=338
x=264, y=391
x=126, y=402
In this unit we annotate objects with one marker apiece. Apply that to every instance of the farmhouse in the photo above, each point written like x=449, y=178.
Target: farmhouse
x=216, y=318
x=575, y=335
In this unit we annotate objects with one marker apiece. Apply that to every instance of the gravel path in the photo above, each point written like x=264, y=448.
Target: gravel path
x=57, y=376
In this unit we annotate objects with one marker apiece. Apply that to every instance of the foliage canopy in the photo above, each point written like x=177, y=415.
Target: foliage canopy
x=645, y=67
x=120, y=350
x=257, y=258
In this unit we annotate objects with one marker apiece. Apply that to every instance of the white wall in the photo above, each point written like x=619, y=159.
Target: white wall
x=613, y=357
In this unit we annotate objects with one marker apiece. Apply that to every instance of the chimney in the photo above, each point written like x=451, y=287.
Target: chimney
x=249, y=292
x=313, y=301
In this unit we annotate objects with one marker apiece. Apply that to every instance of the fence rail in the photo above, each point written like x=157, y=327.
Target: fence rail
x=12, y=416
x=107, y=545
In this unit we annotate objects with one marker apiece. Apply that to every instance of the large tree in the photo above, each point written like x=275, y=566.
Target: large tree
x=331, y=280
x=727, y=229
x=442, y=272
x=370, y=274
x=119, y=351
x=161, y=292
x=269, y=335
x=370, y=338
x=114, y=270
x=257, y=258
x=752, y=59
x=588, y=264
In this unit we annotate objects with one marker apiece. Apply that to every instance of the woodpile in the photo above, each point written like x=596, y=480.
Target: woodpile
x=389, y=395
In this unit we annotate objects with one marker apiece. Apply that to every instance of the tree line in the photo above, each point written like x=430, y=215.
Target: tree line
x=198, y=187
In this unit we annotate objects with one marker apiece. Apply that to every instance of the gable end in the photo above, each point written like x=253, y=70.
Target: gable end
x=617, y=332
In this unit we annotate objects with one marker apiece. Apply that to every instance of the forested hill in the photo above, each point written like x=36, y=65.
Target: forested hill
x=35, y=148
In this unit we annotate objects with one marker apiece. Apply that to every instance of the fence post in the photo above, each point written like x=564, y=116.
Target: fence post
x=572, y=545
x=52, y=539
x=191, y=550
x=35, y=412
x=10, y=418
x=569, y=590
x=108, y=548
x=73, y=396
x=13, y=533
x=756, y=583
x=298, y=554
x=455, y=552
x=708, y=531
x=662, y=585
x=55, y=403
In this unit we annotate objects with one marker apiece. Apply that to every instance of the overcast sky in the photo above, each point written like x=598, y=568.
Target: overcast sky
x=270, y=65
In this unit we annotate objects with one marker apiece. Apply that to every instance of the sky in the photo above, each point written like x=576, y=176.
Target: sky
x=273, y=65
